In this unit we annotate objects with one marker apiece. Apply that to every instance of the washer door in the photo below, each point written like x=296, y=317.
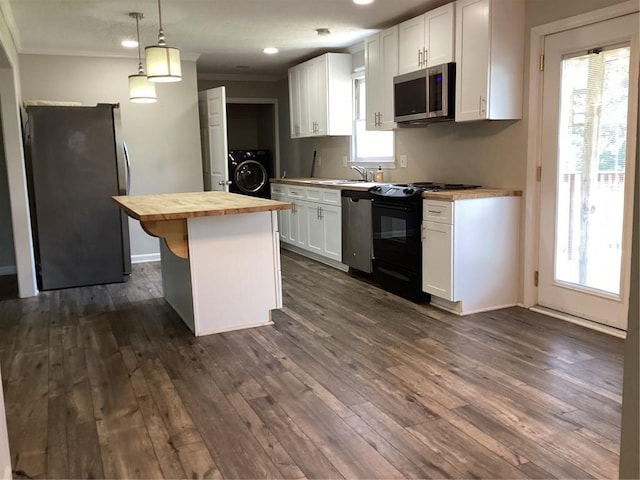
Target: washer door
x=250, y=176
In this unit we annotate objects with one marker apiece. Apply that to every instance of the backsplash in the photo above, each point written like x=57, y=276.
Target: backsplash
x=490, y=153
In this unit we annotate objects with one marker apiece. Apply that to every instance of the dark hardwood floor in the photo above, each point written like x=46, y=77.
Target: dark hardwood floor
x=350, y=382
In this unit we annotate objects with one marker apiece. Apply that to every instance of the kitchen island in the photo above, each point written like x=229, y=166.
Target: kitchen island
x=220, y=256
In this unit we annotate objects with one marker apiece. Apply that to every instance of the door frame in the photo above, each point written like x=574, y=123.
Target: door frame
x=532, y=192
x=276, y=129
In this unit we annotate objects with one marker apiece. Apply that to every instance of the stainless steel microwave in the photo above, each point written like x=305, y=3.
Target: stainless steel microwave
x=425, y=95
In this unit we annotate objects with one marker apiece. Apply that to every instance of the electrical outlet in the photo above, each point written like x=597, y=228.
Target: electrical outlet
x=403, y=161
x=319, y=161
x=345, y=160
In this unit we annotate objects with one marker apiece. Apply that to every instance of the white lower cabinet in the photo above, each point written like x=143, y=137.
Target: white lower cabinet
x=298, y=223
x=332, y=221
x=314, y=224
x=315, y=227
x=470, y=253
x=437, y=249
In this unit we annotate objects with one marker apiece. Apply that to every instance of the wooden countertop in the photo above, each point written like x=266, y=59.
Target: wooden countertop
x=317, y=182
x=173, y=206
x=452, y=195
x=448, y=196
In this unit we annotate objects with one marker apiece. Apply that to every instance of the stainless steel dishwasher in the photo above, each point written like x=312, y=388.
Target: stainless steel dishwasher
x=356, y=230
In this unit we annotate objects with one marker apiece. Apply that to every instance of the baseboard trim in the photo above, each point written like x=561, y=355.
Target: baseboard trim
x=318, y=258
x=8, y=270
x=598, y=327
x=146, y=257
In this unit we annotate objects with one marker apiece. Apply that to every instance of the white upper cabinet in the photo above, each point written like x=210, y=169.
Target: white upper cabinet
x=427, y=40
x=489, y=59
x=320, y=96
x=381, y=65
x=294, y=102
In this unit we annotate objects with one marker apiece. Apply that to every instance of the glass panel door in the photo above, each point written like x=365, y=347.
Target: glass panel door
x=591, y=169
x=588, y=142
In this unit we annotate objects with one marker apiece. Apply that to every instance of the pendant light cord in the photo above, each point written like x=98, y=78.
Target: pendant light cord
x=160, y=32
x=140, y=70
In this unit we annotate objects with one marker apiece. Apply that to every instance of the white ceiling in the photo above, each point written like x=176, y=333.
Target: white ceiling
x=225, y=34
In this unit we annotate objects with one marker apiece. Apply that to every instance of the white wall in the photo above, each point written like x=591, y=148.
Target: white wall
x=630, y=432
x=7, y=257
x=163, y=138
x=5, y=458
x=14, y=162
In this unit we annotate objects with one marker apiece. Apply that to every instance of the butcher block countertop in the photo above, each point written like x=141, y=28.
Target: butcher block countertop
x=452, y=195
x=336, y=184
x=173, y=206
x=448, y=196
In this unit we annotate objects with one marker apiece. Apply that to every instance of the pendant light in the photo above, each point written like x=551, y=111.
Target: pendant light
x=163, y=63
x=141, y=90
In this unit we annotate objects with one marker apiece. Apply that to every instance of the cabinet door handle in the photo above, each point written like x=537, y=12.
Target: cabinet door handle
x=321, y=216
x=437, y=212
x=419, y=58
x=424, y=56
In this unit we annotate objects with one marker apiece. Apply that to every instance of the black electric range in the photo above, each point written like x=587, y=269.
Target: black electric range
x=415, y=189
x=397, y=239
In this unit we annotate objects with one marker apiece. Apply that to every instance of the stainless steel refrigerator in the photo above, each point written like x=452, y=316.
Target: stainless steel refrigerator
x=75, y=161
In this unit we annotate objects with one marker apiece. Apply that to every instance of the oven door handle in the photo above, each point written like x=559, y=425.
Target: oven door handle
x=392, y=207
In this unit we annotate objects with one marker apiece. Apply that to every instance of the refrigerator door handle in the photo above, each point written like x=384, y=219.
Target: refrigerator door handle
x=128, y=167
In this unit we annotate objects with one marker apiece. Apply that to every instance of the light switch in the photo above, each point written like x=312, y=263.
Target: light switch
x=403, y=161
x=345, y=159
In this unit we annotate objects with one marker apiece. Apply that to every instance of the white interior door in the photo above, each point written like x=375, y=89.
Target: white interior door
x=213, y=132
x=587, y=157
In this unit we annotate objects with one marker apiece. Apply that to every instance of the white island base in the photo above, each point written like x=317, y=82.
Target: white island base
x=220, y=256
x=231, y=279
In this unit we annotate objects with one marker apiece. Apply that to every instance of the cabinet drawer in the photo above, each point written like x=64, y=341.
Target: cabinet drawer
x=277, y=189
x=437, y=211
x=330, y=196
x=296, y=192
x=313, y=194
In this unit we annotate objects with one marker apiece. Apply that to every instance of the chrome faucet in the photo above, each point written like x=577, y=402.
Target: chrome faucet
x=362, y=171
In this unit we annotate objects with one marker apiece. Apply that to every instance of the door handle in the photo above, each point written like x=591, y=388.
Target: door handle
x=424, y=56
x=320, y=216
x=419, y=58
x=225, y=182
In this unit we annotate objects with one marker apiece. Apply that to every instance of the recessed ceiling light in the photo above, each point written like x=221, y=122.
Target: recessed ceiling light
x=270, y=50
x=362, y=2
x=129, y=43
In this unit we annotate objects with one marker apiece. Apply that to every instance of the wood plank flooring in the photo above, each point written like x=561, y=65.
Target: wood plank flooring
x=350, y=382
